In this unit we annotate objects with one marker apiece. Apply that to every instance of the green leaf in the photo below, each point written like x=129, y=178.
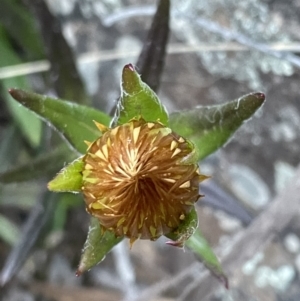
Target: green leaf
x=31, y=130
x=200, y=246
x=210, y=127
x=9, y=232
x=97, y=245
x=138, y=99
x=188, y=235
x=69, y=179
x=151, y=60
x=42, y=166
x=185, y=230
x=73, y=121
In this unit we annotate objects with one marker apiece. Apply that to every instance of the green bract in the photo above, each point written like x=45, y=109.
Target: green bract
x=138, y=99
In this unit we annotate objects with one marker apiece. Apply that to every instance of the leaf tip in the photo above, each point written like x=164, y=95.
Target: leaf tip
x=261, y=96
x=13, y=92
x=78, y=272
x=131, y=81
x=129, y=67
x=178, y=244
x=83, y=267
x=52, y=186
x=225, y=281
x=17, y=94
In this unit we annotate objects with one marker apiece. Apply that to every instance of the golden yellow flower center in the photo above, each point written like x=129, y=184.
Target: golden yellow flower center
x=136, y=180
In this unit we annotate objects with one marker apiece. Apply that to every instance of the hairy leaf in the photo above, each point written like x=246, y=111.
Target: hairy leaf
x=73, y=121
x=188, y=235
x=138, y=99
x=198, y=244
x=210, y=127
x=97, y=245
x=185, y=230
x=69, y=178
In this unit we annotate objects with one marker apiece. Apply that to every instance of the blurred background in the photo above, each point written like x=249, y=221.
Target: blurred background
x=217, y=51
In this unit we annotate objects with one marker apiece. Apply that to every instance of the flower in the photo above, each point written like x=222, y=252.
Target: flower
x=138, y=179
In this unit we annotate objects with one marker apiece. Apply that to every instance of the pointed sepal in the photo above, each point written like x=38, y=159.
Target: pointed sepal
x=210, y=127
x=188, y=235
x=138, y=99
x=73, y=122
x=199, y=245
x=98, y=243
x=185, y=230
x=69, y=179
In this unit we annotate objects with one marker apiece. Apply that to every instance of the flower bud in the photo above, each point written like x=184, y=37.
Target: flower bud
x=137, y=179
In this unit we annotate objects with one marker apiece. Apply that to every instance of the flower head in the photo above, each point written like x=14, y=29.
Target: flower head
x=137, y=180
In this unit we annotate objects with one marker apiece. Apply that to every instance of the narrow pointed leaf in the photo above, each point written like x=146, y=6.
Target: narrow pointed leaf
x=96, y=247
x=210, y=127
x=185, y=230
x=188, y=235
x=69, y=179
x=151, y=60
x=73, y=121
x=31, y=130
x=64, y=74
x=138, y=100
x=42, y=166
x=198, y=244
